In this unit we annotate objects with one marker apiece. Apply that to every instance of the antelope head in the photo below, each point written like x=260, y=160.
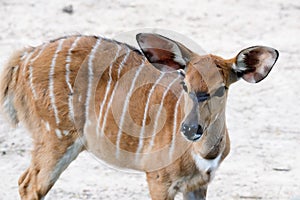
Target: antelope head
x=205, y=80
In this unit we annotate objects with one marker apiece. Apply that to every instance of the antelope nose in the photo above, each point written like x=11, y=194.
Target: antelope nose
x=192, y=132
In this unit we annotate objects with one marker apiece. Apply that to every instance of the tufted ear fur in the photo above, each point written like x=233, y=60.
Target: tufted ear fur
x=164, y=53
x=254, y=63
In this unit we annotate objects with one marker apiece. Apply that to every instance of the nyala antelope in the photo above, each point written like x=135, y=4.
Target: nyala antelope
x=158, y=109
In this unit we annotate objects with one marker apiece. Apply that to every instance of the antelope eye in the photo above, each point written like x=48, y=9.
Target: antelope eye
x=202, y=96
x=184, y=86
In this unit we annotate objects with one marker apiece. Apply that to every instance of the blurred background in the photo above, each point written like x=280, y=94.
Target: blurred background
x=263, y=119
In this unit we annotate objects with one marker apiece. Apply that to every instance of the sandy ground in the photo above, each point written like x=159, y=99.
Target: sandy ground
x=263, y=119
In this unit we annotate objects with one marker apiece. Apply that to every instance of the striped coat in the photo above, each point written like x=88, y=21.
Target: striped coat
x=90, y=93
x=65, y=85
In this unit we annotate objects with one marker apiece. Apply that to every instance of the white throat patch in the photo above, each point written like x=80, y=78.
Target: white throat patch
x=207, y=165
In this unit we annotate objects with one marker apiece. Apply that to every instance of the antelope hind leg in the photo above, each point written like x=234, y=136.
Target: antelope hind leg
x=50, y=157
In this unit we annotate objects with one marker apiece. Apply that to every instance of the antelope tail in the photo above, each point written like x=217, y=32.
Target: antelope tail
x=8, y=80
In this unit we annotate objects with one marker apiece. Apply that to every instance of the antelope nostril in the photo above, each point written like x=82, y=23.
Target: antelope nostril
x=192, y=131
x=200, y=130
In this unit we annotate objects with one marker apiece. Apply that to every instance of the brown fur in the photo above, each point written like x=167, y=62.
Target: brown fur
x=48, y=156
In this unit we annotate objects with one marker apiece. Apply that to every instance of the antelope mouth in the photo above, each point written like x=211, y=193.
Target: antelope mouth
x=195, y=138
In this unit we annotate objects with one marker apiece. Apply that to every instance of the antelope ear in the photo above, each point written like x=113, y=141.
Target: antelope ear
x=164, y=53
x=255, y=63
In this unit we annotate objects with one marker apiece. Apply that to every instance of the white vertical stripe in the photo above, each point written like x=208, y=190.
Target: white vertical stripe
x=171, y=151
x=141, y=137
x=114, y=90
x=31, y=82
x=107, y=88
x=39, y=54
x=26, y=62
x=58, y=133
x=123, y=61
x=158, y=113
x=66, y=132
x=25, y=54
x=139, y=69
x=47, y=125
x=51, y=80
x=31, y=71
x=90, y=79
x=68, y=61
